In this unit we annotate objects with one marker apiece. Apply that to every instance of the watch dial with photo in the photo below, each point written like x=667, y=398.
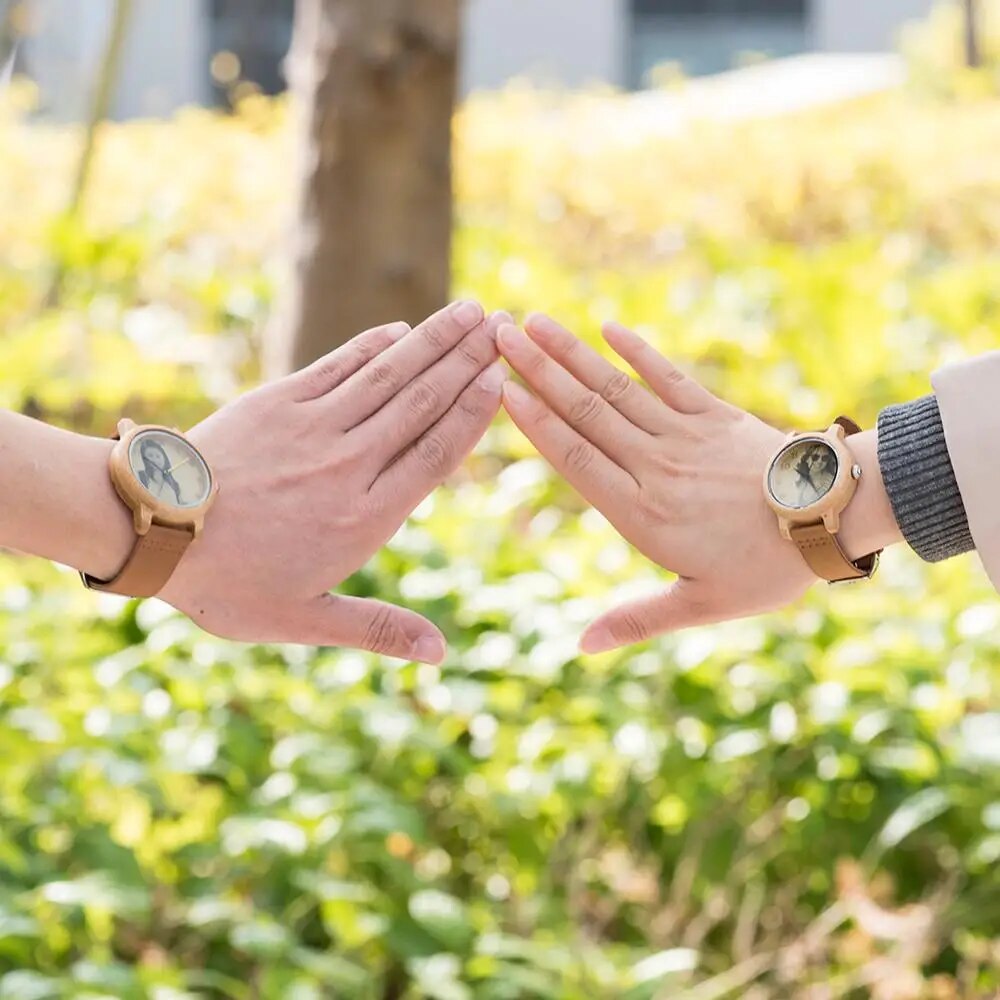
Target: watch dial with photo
x=803, y=473
x=170, y=469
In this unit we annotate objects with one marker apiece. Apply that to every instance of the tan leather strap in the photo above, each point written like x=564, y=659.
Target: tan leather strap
x=150, y=564
x=850, y=427
x=826, y=558
x=822, y=551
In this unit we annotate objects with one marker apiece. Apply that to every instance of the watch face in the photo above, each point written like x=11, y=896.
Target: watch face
x=170, y=469
x=803, y=473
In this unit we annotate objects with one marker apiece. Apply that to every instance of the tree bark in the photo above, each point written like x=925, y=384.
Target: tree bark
x=374, y=83
x=972, y=53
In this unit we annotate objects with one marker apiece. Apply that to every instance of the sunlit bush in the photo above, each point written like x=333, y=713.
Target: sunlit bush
x=810, y=798
x=935, y=49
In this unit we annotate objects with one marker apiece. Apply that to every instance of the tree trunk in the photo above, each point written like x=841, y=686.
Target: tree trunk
x=972, y=53
x=375, y=84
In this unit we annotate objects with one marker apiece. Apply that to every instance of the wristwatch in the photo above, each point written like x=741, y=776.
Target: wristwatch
x=808, y=484
x=167, y=484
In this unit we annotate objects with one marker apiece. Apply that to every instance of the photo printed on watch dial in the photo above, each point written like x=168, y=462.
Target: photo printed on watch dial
x=803, y=473
x=170, y=469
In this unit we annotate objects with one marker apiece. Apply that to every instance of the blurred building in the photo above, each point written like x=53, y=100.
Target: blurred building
x=191, y=51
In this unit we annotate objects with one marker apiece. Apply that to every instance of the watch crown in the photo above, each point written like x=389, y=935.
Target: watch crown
x=856, y=471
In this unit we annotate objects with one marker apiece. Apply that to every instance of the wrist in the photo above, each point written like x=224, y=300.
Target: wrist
x=868, y=524
x=59, y=503
x=104, y=529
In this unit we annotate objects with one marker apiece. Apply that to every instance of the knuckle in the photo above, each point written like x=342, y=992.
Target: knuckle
x=580, y=456
x=381, y=375
x=364, y=349
x=673, y=376
x=569, y=347
x=538, y=415
x=328, y=372
x=434, y=453
x=434, y=334
x=537, y=363
x=617, y=386
x=422, y=400
x=381, y=633
x=470, y=405
x=655, y=509
x=630, y=628
x=467, y=352
x=586, y=408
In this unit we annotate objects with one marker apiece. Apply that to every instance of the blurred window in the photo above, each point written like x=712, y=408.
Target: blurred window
x=249, y=41
x=710, y=36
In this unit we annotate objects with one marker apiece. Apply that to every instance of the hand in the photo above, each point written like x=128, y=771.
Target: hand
x=678, y=472
x=317, y=471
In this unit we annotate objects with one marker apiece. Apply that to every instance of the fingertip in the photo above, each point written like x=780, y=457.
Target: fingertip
x=516, y=396
x=397, y=331
x=497, y=320
x=468, y=312
x=430, y=649
x=492, y=380
x=597, y=639
x=612, y=329
x=509, y=337
x=544, y=326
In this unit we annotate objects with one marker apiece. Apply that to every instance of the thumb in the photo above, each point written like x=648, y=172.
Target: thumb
x=357, y=623
x=685, y=604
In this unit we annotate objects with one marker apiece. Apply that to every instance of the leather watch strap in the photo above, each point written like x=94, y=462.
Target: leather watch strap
x=825, y=557
x=822, y=551
x=850, y=427
x=150, y=565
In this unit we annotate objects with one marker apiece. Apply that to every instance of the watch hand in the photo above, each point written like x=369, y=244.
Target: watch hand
x=170, y=471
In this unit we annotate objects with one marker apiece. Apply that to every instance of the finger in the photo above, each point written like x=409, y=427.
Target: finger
x=675, y=388
x=442, y=449
x=328, y=372
x=597, y=373
x=423, y=402
x=597, y=478
x=369, y=389
x=357, y=623
x=683, y=605
x=580, y=407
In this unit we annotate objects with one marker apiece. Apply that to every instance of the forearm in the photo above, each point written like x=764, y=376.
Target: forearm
x=58, y=500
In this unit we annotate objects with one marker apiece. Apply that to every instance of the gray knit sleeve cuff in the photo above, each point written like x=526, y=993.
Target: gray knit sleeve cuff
x=920, y=481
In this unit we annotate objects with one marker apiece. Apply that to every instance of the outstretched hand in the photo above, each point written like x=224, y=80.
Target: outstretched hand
x=677, y=471
x=317, y=471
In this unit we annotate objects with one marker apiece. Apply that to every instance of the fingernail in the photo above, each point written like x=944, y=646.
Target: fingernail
x=511, y=338
x=537, y=321
x=514, y=394
x=493, y=378
x=598, y=640
x=429, y=650
x=468, y=312
x=498, y=320
x=398, y=331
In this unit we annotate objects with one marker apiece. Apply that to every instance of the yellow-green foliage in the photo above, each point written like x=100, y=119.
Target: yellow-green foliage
x=936, y=51
x=810, y=798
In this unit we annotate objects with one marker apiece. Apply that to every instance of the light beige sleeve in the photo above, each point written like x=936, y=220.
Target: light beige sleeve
x=968, y=395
